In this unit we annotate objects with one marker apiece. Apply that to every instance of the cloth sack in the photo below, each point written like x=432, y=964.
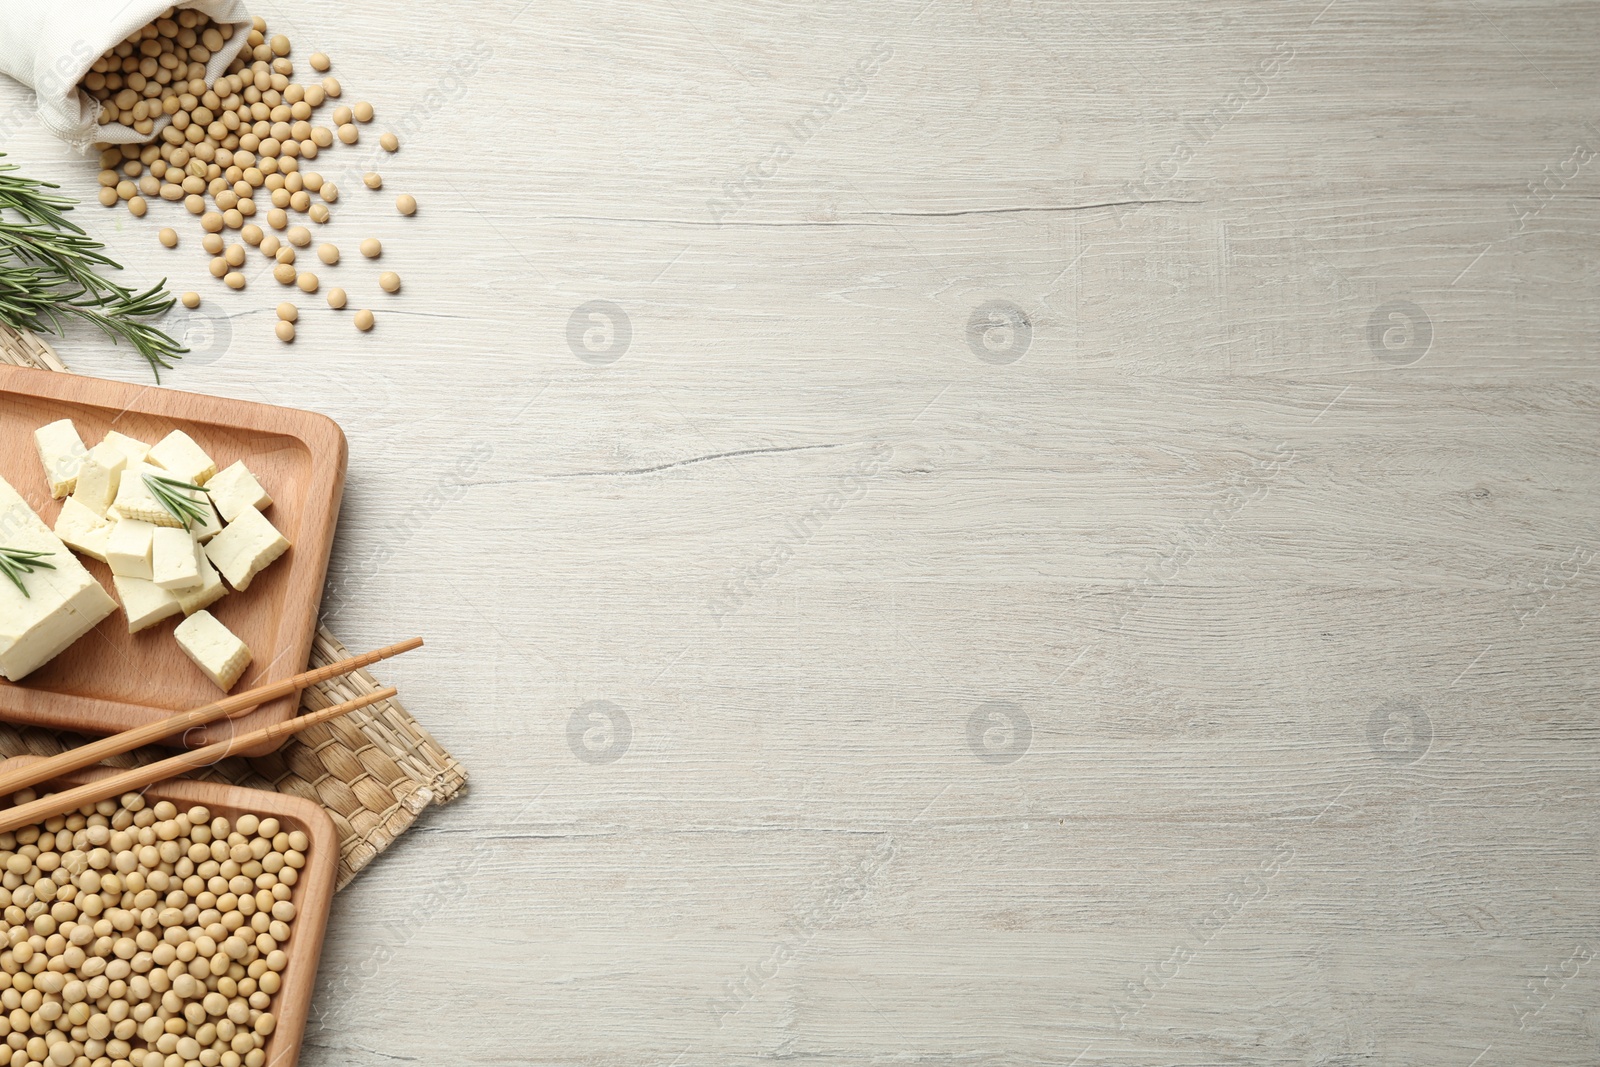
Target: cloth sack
x=49, y=45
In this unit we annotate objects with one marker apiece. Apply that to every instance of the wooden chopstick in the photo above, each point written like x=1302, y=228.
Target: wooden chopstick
x=137, y=778
x=128, y=740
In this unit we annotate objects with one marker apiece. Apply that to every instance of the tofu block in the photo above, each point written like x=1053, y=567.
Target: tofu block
x=128, y=549
x=245, y=547
x=135, y=501
x=174, y=563
x=61, y=605
x=60, y=453
x=82, y=530
x=214, y=648
x=136, y=451
x=145, y=603
x=235, y=489
x=180, y=457
x=210, y=590
x=99, y=475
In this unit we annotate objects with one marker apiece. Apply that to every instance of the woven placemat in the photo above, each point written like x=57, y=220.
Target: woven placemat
x=375, y=770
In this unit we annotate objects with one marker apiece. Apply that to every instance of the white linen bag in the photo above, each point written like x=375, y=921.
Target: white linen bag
x=49, y=45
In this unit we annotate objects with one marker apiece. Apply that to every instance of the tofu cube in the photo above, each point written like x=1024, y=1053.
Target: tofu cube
x=145, y=603
x=61, y=451
x=128, y=549
x=174, y=563
x=59, y=605
x=210, y=589
x=245, y=548
x=136, y=451
x=214, y=648
x=99, y=475
x=135, y=501
x=235, y=489
x=181, y=458
x=82, y=530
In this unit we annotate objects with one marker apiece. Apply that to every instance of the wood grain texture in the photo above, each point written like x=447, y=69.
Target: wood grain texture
x=311, y=895
x=1270, y=558
x=111, y=680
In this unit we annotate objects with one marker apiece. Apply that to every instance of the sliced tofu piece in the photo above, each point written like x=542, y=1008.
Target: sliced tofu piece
x=59, y=605
x=82, y=530
x=174, y=563
x=180, y=457
x=61, y=452
x=210, y=590
x=99, y=475
x=135, y=501
x=214, y=648
x=128, y=549
x=136, y=451
x=245, y=548
x=234, y=489
x=145, y=603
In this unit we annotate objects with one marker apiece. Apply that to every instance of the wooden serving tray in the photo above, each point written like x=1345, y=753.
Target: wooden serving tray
x=312, y=894
x=110, y=680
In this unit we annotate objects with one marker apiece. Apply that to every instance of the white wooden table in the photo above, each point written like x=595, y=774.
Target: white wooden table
x=963, y=533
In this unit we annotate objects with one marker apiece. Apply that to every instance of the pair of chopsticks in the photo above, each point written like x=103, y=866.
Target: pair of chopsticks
x=137, y=778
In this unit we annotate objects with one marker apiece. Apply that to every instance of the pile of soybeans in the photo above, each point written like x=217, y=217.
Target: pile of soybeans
x=240, y=142
x=144, y=936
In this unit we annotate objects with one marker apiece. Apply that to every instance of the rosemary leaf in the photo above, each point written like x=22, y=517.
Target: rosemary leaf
x=49, y=274
x=169, y=493
x=15, y=562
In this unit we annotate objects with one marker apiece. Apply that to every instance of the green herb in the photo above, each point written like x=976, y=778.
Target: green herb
x=15, y=562
x=48, y=275
x=186, y=509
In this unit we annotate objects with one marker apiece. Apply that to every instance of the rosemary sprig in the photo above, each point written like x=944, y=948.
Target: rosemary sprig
x=15, y=562
x=167, y=491
x=49, y=274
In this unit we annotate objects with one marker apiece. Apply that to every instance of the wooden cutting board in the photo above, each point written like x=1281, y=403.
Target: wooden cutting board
x=312, y=893
x=111, y=680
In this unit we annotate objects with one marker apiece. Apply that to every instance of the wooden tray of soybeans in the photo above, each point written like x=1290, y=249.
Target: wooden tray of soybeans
x=237, y=884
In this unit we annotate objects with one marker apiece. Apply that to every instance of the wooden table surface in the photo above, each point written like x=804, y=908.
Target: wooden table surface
x=961, y=533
